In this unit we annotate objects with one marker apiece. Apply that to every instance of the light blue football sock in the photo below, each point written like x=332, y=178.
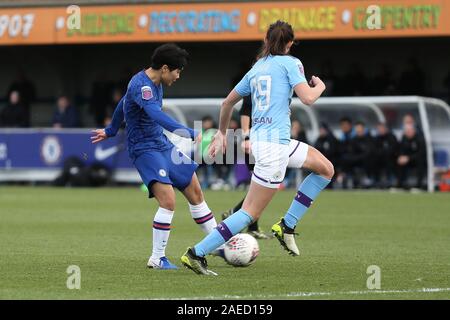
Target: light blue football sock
x=223, y=232
x=308, y=190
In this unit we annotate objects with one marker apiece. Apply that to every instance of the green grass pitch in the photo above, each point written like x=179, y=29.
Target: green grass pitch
x=107, y=233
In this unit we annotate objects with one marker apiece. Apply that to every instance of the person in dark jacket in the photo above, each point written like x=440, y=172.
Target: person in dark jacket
x=411, y=157
x=298, y=132
x=328, y=145
x=65, y=115
x=327, y=142
x=358, y=162
x=27, y=93
x=14, y=115
x=386, y=151
x=344, y=150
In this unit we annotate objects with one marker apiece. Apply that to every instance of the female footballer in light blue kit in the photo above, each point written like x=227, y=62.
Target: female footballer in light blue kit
x=271, y=83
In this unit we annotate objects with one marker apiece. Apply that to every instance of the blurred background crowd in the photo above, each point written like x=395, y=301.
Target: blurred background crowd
x=75, y=111
x=365, y=157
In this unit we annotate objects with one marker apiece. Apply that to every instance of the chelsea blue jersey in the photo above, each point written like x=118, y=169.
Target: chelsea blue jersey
x=141, y=108
x=271, y=82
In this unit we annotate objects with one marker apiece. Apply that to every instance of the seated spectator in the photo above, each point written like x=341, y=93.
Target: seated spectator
x=358, y=162
x=27, y=92
x=14, y=114
x=346, y=135
x=386, y=150
x=408, y=119
x=65, y=115
x=411, y=157
x=347, y=131
x=328, y=145
x=297, y=132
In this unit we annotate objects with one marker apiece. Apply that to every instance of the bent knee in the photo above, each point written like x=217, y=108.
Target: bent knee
x=328, y=170
x=168, y=205
x=167, y=202
x=198, y=195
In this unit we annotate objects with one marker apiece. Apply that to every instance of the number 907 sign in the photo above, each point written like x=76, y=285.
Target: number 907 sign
x=16, y=25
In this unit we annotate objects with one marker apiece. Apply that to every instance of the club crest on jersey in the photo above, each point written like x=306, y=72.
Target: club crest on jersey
x=147, y=93
x=162, y=173
x=300, y=67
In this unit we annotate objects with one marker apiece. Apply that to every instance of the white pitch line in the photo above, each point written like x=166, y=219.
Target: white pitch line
x=312, y=294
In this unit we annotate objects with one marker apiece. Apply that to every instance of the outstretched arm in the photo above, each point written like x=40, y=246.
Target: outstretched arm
x=116, y=121
x=219, y=140
x=245, y=114
x=145, y=98
x=114, y=126
x=167, y=122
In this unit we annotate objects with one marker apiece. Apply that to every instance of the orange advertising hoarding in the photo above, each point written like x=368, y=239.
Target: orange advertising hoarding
x=223, y=21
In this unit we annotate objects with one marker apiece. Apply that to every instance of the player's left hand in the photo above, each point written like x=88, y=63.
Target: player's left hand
x=99, y=135
x=218, y=143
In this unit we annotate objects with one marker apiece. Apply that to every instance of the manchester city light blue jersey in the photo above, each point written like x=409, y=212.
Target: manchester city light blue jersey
x=271, y=82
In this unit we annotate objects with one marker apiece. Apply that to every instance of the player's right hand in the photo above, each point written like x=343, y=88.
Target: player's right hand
x=98, y=135
x=316, y=81
x=218, y=144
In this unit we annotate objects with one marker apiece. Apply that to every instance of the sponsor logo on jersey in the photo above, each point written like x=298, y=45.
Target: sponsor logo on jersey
x=267, y=120
x=300, y=68
x=146, y=92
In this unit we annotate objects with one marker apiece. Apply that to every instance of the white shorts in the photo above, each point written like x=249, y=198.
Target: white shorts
x=272, y=159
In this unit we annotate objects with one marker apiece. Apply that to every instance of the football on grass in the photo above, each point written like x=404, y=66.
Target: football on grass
x=241, y=250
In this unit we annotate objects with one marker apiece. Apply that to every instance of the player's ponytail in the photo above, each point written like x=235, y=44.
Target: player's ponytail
x=278, y=36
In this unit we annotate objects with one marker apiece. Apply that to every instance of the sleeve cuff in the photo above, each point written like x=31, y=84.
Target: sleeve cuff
x=109, y=132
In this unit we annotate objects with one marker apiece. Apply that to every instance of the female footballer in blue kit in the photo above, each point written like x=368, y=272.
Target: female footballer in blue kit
x=270, y=82
x=160, y=164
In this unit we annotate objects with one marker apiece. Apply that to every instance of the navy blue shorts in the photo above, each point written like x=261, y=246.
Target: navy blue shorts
x=170, y=167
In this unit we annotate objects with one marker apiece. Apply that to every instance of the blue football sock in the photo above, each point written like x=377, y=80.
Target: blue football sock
x=308, y=190
x=223, y=232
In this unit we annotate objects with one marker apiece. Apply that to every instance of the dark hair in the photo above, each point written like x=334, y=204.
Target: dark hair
x=345, y=119
x=171, y=55
x=207, y=118
x=360, y=123
x=278, y=36
x=325, y=126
